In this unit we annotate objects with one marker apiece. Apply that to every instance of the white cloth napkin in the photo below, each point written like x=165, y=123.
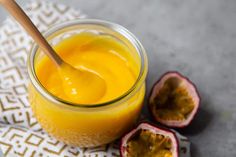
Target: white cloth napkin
x=20, y=134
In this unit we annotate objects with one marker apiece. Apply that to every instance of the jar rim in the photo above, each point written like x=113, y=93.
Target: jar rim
x=114, y=27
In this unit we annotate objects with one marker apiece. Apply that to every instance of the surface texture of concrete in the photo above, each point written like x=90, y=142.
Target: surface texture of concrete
x=194, y=37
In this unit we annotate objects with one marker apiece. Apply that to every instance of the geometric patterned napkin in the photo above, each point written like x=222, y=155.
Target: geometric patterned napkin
x=20, y=134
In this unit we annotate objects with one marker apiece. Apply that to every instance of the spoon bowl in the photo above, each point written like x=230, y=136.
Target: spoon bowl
x=77, y=81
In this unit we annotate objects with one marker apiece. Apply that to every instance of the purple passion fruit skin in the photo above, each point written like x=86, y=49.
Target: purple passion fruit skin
x=148, y=140
x=174, y=100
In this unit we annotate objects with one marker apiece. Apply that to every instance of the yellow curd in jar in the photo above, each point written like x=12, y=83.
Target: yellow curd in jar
x=99, y=54
x=88, y=127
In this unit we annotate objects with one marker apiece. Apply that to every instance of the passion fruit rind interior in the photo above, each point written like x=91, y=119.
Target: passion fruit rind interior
x=145, y=143
x=172, y=101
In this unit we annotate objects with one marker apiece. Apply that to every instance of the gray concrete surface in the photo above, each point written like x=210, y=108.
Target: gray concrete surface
x=195, y=37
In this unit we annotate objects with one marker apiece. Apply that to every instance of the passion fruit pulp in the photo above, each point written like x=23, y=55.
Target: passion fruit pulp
x=149, y=141
x=174, y=100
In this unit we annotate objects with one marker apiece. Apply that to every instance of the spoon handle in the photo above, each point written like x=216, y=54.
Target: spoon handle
x=15, y=10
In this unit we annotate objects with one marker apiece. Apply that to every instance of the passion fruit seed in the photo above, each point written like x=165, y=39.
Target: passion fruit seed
x=147, y=144
x=167, y=114
x=173, y=102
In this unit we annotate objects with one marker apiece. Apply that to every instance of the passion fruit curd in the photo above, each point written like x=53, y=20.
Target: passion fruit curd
x=99, y=54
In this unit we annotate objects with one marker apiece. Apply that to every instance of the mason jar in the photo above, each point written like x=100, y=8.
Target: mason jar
x=88, y=125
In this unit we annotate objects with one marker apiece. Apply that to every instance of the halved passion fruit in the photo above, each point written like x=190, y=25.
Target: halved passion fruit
x=174, y=100
x=149, y=141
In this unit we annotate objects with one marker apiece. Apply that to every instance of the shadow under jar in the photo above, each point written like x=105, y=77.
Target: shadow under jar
x=88, y=125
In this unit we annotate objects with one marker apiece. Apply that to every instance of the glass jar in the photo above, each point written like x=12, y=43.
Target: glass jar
x=94, y=124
